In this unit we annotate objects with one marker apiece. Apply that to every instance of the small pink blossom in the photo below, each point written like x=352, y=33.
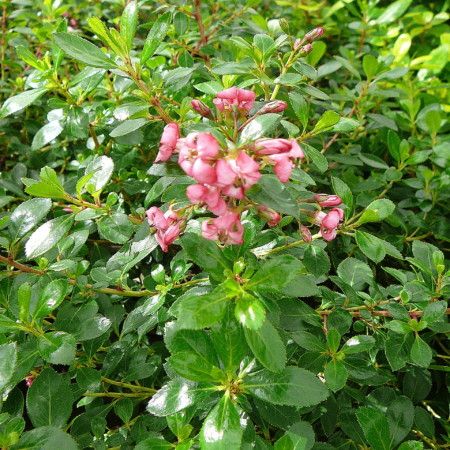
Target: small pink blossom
x=226, y=229
x=241, y=98
x=168, y=226
x=327, y=200
x=168, y=142
x=328, y=222
x=283, y=166
x=273, y=146
x=235, y=176
x=198, y=193
x=273, y=218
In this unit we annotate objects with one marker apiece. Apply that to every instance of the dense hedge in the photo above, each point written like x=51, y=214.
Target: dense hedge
x=223, y=225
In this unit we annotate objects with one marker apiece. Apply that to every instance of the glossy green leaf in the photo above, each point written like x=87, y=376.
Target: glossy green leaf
x=434, y=311
x=309, y=341
x=101, y=168
x=376, y=211
x=46, y=438
x=46, y=134
x=222, y=428
x=129, y=126
x=400, y=416
x=371, y=246
x=355, y=273
x=20, y=101
x=83, y=50
x=250, y=312
x=116, y=228
x=176, y=396
x=267, y=346
x=155, y=36
x=128, y=23
x=358, y=344
x=194, y=367
x=398, y=348
x=333, y=340
x=421, y=352
x=48, y=235
x=57, y=347
x=316, y=260
x=375, y=427
x=49, y=399
x=370, y=66
x=394, y=11
x=259, y=127
x=335, y=375
x=293, y=386
x=51, y=297
x=154, y=444
x=27, y=215
x=299, y=106
x=8, y=359
x=328, y=119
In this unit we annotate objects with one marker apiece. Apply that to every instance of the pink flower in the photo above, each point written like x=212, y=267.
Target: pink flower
x=168, y=226
x=198, y=193
x=196, y=153
x=327, y=200
x=314, y=34
x=273, y=218
x=168, y=142
x=226, y=229
x=273, y=146
x=328, y=222
x=241, y=98
x=236, y=176
x=201, y=108
x=283, y=166
x=273, y=107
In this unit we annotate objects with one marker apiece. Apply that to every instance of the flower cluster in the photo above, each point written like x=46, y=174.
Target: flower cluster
x=224, y=175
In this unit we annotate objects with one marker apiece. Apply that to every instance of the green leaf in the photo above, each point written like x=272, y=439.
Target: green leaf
x=371, y=246
x=155, y=36
x=275, y=274
x=340, y=320
x=294, y=386
x=206, y=254
x=299, y=106
x=300, y=436
x=249, y=312
x=397, y=348
x=345, y=125
x=421, y=353
x=50, y=185
x=376, y=211
x=271, y=192
x=8, y=359
x=194, y=367
x=333, y=340
x=340, y=188
x=316, y=260
x=201, y=311
x=305, y=69
x=328, y=119
x=101, y=168
x=370, y=66
x=434, y=311
x=316, y=157
x=265, y=44
x=21, y=101
x=51, y=297
x=129, y=126
x=49, y=399
x=27, y=215
x=176, y=396
x=46, y=134
x=411, y=445
x=48, y=235
x=24, y=298
x=358, y=344
x=116, y=228
x=375, y=427
x=400, y=416
x=154, y=444
x=83, y=50
x=309, y=341
x=261, y=126
x=222, y=428
x=57, y=347
x=355, y=273
x=394, y=11
x=128, y=23
x=393, y=142
x=335, y=375
x=229, y=342
x=288, y=79
x=267, y=346
x=45, y=438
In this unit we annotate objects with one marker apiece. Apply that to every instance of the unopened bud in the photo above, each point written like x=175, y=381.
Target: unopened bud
x=306, y=234
x=273, y=107
x=306, y=49
x=203, y=109
x=327, y=200
x=284, y=25
x=297, y=43
x=270, y=215
x=314, y=34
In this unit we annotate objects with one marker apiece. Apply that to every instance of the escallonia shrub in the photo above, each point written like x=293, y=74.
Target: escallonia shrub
x=209, y=243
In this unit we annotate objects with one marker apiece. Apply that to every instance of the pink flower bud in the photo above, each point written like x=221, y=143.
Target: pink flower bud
x=306, y=49
x=240, y=98
x=203, y=109
x=314, y=34
x=297, y=43
x=273, y=107
x=270, y=215
x=29, y=381
x=327, y=200
x=306, y=234
x=156, y=218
